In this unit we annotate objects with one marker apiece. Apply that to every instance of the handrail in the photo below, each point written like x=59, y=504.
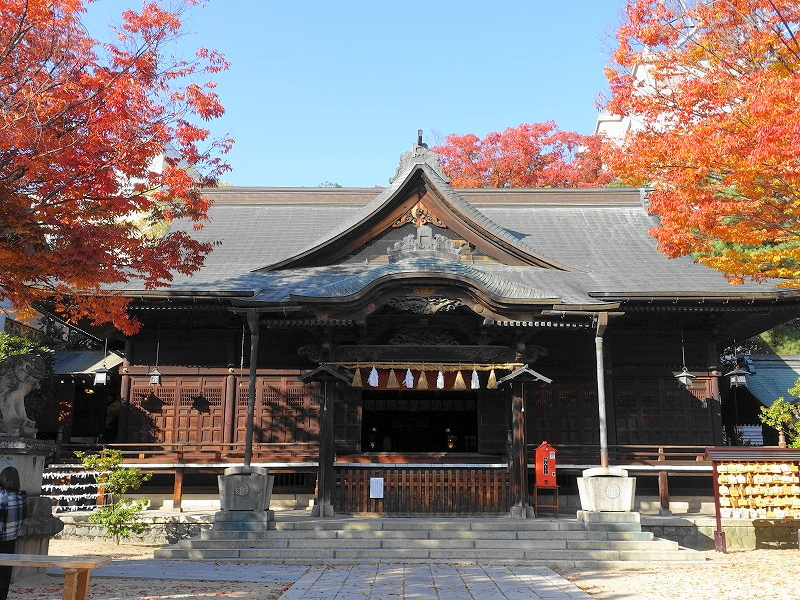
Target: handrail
x=200, y=451
x=631, y=453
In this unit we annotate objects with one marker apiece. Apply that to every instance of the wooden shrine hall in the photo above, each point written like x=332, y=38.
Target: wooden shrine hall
x=428, y=337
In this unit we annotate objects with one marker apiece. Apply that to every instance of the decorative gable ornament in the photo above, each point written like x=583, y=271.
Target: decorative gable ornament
x=424, y=244
x=419, y=215
x=419, y=155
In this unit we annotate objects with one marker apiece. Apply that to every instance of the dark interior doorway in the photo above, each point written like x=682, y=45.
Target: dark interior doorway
x=420, y=421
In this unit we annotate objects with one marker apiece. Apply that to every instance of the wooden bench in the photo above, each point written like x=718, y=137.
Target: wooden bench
x=76, y=570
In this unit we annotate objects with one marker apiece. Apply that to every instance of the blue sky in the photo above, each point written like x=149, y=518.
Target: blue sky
x=335, y=91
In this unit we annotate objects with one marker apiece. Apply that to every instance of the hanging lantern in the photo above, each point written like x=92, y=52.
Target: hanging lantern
x=102, y=375
x=422, y=381
x=440, y=381
x=357, y=379
x=155, y=376
x=737, y=377
x=409, y=379
x=685, y=378
x=492, y=383
x=373, y=377
x=474, y=383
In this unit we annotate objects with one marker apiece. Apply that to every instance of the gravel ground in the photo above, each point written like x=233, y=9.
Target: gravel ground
x=757, y=574
x=48, y=587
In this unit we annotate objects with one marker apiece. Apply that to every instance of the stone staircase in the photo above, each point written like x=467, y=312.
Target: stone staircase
x=489, y=540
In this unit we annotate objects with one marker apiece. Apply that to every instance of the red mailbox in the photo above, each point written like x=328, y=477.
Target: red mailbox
x=545, y=460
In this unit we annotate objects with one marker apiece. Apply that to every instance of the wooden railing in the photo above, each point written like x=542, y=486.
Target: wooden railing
x=427, y=490
x=205, y=452
x=629, y=454
x=213, y=452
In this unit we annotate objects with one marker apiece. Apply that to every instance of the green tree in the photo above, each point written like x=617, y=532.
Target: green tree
x=121, y=518
x=785, y=417
x=784, y=339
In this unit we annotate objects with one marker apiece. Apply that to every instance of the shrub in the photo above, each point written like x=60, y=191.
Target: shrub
x=121, y=517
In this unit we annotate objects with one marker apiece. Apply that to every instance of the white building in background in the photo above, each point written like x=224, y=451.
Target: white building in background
x=615, y=127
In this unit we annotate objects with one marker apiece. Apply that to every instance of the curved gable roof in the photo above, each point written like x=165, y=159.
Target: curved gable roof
x=493, y=285
x=418, y=173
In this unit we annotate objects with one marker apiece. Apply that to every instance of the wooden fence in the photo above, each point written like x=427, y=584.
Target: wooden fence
x=424, y=490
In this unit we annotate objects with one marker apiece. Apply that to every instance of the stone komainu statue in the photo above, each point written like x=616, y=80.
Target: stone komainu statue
x=19, y=375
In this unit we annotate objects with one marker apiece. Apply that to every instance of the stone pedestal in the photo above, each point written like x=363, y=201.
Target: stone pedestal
x=607, y=489
x=629, y=522
x=318, y=509
x=244, y=520
x=522, y=512
x=28, y=456
x=245, y=488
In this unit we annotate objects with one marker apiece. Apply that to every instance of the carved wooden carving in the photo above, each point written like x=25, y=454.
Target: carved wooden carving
x=425, y=243
x=423, y=305
x=419, y=215
x=423, y=337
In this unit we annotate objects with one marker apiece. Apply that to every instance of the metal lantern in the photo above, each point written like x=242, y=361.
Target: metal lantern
x=685, y=378
x=102, y=376
x=155, y=377
x=737, y=377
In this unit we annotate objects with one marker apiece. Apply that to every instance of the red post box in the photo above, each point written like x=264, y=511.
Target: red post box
x=545, y=460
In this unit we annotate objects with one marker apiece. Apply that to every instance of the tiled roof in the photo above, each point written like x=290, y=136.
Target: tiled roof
x=493, y=284
x=600, y=236
x=771, y=376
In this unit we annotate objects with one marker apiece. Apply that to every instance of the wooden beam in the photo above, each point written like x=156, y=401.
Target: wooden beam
x=602, y=323
x=229, y=404
x=520, y=507
x=253, y=324
x=326, y=479
x=177, y=489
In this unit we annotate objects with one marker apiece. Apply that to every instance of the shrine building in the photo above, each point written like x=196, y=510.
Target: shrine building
x=429, y=337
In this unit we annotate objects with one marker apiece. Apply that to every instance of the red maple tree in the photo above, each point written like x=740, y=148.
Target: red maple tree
x=82, y=127
x=530, y=155
x=714, y=87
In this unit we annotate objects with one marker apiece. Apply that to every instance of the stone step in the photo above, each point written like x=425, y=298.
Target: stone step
x=399, y=524
x=230, y=534
x=485, y=541
x=482, y=555
x=552, y=544
x=618, y=527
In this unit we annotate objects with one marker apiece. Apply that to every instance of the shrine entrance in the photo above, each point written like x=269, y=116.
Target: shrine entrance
x=419, y=421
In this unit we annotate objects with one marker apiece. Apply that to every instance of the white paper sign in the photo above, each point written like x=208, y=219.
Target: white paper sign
x=376, y=487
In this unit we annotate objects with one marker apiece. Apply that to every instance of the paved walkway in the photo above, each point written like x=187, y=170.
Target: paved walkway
x=366, y=581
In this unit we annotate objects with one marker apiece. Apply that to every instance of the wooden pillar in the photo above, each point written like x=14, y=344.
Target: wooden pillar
x=253, y=324
x=124, y=409
x=602, y=323
x=124, y=395
x=520, y=509
x=663, y=492
x=177, y=489
x=229, y=410
x=715, y=402
x=326, y=479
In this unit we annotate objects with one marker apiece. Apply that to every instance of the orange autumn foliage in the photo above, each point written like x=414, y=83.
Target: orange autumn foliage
x=719, y=143
x=530, y=155
x=80, y=125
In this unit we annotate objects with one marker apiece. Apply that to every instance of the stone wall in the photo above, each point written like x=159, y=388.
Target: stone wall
x=163, y=528
x=698, y=532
